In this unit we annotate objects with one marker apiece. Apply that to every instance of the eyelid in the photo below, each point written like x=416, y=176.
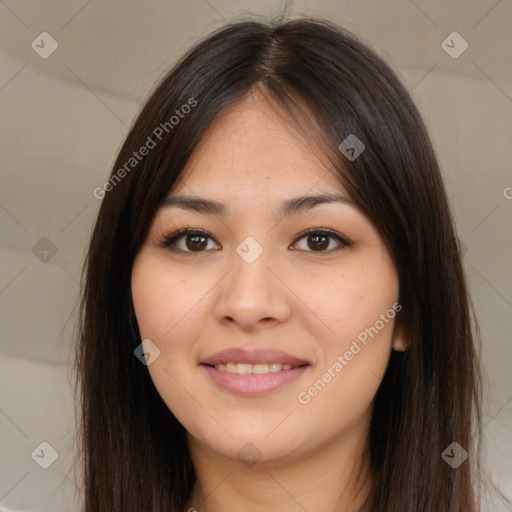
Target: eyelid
x=167, y=241
x=325, y=230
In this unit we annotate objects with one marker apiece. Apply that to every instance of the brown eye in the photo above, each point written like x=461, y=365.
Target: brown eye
x=195, y=242
x=319, y=240
x=188, y=241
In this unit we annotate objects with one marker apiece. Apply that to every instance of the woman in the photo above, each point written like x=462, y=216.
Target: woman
x=275, y=315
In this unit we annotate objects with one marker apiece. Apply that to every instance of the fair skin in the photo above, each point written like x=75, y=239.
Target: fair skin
x=308, y=297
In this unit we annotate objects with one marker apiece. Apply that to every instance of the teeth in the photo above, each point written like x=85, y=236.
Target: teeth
x=260, y=368
x=245, y=368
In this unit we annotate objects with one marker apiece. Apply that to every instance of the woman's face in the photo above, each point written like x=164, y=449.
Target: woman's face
x=228, y=311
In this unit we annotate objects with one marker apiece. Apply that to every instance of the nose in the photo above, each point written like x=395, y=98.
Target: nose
x=253, y=295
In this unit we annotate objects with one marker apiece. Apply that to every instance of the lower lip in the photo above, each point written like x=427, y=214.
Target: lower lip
x=254, y=384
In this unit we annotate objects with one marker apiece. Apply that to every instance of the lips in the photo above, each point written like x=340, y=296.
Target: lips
x=258, y=356
x=274, y=370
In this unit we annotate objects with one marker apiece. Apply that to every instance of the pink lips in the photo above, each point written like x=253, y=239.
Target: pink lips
x=253, y=384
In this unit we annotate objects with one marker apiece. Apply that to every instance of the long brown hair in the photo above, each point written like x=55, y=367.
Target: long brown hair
x=134, y=451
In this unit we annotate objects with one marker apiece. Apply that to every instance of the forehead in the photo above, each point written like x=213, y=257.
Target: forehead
x=254, y=148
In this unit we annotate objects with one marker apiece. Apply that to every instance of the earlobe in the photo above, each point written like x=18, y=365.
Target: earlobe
x=400, y=344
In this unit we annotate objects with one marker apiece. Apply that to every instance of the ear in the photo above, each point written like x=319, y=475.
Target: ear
x=400, y=343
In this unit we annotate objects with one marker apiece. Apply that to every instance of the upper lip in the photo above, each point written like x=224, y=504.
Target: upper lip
x=261, y=355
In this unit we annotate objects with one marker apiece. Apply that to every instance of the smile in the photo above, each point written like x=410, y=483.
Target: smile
x=253, y=380
x=246, y=368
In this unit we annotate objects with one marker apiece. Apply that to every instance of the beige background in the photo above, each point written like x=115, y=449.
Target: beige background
x=63, y=119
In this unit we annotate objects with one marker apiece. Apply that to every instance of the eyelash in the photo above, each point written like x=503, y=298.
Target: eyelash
x=167, y=241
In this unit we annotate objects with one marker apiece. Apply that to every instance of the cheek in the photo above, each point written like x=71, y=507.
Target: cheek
x=168, y=309
x=163, y=300
x=357, y=307
x=169, y=312
x=350, y=302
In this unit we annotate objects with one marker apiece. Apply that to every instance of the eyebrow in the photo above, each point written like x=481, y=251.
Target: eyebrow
x=291, y=206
